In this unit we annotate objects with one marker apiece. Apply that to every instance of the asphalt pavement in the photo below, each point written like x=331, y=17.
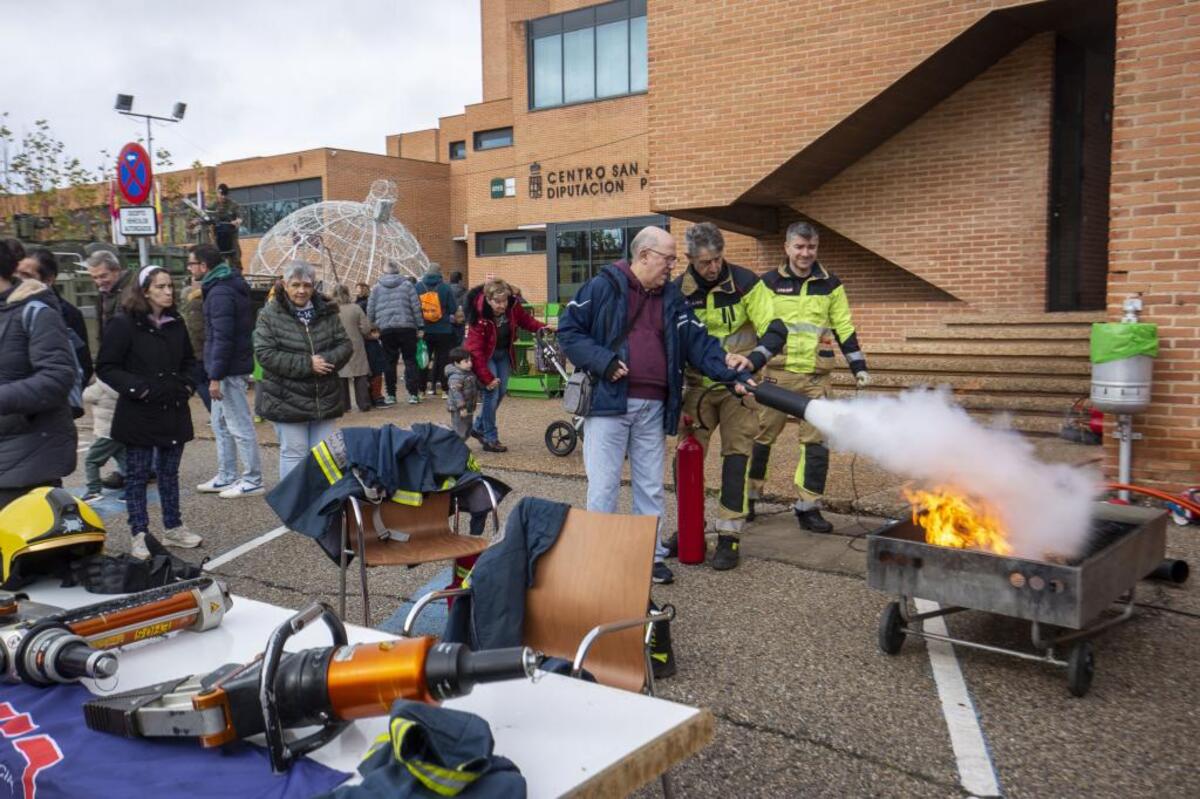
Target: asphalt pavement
x=783, y=649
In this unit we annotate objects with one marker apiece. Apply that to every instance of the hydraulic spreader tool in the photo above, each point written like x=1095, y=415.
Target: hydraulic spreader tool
x=326, y=687
x=44, y=645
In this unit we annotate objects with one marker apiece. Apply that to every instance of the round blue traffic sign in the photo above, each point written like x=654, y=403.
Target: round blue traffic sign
x=134, y=175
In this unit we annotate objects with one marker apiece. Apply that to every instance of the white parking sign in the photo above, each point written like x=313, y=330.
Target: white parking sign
x=139, y=220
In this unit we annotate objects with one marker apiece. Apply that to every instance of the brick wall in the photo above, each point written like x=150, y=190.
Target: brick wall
x=270, y=169
x=1155, y=225
x=958, y=198
x=737, y=93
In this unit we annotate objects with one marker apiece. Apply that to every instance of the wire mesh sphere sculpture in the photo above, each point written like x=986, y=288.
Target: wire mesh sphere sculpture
x=347, y=242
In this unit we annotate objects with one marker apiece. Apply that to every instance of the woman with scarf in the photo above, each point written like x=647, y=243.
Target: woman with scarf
x=301, y=344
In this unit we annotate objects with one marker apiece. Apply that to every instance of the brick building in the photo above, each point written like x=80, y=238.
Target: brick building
x=989, y=176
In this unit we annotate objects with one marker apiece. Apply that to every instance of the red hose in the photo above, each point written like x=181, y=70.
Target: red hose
x=1154, y=492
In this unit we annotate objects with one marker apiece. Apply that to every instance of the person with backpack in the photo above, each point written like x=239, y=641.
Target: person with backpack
x=438, y=309
x=40, y=264
x=395, y=309
x=38, y=372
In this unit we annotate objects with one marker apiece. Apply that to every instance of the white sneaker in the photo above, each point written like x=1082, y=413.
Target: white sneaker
x=212, y=487
x=182, y=537
x=241, y=489
x=138, y=547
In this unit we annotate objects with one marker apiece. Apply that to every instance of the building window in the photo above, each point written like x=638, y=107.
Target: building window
x=581, y=249
x=263, y=206
x=589, y=54
x=510, y=242
x=491, y=139
x=458, y=150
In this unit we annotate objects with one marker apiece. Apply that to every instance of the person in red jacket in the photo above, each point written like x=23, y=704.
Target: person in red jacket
x=494, y=313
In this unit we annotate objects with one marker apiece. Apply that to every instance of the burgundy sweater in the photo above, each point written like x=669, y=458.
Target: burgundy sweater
x=647, y=349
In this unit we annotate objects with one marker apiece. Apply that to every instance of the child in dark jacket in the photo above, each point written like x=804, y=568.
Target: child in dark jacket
x=463, y=391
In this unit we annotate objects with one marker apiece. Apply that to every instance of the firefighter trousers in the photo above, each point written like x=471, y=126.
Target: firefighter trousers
x=813, y=467
x=718, y=408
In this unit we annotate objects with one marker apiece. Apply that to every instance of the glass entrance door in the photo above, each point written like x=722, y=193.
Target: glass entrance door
x=580, y=249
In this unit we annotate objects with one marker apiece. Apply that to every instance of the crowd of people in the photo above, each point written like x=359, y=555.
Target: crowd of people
x=658, y=351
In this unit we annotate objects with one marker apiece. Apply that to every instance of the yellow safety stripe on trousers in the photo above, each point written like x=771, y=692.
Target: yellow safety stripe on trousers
x=440, y=780
x=328, y=465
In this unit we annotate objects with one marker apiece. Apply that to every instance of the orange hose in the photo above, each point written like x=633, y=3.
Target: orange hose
x=1154, y=492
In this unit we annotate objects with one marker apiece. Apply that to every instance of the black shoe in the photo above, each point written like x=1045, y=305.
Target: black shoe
x=750, y=514
x=662, y=655
x=727, y=554
x=672, y=545
x=812, y=519
x=661, y=574
x=113, y=480
x=494, y=446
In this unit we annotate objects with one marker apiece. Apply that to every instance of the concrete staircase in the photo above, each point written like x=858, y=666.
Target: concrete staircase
x=1030, y=366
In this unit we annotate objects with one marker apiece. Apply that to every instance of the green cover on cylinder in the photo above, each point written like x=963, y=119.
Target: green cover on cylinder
x=1113, y=341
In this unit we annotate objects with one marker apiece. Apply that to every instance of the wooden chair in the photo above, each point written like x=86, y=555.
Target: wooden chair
x=589, y=598
x=395, y=534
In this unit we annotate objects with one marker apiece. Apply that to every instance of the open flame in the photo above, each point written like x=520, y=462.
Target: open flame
x=950, y=519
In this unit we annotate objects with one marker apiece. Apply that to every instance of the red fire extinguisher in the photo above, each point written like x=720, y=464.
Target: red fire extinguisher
x=689, y=491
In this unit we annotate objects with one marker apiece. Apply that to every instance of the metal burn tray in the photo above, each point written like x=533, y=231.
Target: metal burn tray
x=1127, y=543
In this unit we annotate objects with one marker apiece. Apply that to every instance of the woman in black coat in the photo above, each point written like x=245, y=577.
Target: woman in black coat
x=147, y=357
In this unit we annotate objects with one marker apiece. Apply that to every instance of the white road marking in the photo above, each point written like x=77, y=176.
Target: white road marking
x=242, y=549
x=975, y=770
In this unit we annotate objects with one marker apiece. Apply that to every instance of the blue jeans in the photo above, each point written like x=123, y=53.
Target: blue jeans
x=296, y=439
x=485, y=423
x=233, y=427
x=638, y=434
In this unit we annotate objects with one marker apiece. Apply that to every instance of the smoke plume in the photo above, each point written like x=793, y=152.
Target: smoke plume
x=920, y=434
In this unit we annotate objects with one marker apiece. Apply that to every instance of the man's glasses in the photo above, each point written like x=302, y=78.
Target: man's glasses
x=670, y=259
x=193, y=263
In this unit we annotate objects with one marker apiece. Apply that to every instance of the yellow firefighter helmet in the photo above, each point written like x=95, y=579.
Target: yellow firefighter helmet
x=42, y=531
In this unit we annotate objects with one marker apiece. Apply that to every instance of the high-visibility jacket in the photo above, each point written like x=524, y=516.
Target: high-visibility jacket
x=721, y=307
x=797, y=318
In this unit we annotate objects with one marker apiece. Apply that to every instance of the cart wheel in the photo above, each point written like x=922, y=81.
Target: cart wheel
x=1081, y=666
x=561, y=438
x=891, y=636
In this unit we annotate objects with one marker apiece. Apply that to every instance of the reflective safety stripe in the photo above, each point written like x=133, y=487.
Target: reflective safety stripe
x=855, y=356
x=413, y=498
x=763, y=351
x=440, y=780
x=461, y=571
x=328, y=465
x=804, y=327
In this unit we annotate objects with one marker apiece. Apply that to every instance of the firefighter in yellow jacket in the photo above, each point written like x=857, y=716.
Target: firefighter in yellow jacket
x=716, y=291
x=798, y=311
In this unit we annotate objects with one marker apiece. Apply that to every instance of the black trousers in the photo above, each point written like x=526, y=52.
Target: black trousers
x=439, y=345
x=401, y=342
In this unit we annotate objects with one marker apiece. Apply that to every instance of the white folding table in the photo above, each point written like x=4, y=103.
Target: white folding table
x=568, y=737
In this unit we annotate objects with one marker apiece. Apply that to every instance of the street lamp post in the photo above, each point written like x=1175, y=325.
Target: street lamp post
x=124, y=105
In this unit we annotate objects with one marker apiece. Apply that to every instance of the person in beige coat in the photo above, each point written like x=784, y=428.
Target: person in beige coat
x=102, y=399
x=358, y=371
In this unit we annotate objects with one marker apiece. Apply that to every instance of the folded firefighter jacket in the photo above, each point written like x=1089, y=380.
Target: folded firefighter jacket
x=388, y=461
x=433, y=751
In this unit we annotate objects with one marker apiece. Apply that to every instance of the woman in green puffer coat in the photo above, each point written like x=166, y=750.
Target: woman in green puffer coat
x=300, y=342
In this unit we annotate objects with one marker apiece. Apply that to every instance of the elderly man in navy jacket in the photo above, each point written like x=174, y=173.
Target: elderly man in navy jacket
x=229, y=360
x=633, y=332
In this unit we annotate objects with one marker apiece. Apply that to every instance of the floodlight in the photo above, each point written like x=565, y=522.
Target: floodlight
x=124, y=102
x=179, y=110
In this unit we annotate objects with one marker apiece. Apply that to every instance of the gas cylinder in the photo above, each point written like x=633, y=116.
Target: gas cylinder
x=689, y=491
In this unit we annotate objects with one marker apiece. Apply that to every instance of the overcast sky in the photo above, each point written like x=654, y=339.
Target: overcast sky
x=259, y=76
